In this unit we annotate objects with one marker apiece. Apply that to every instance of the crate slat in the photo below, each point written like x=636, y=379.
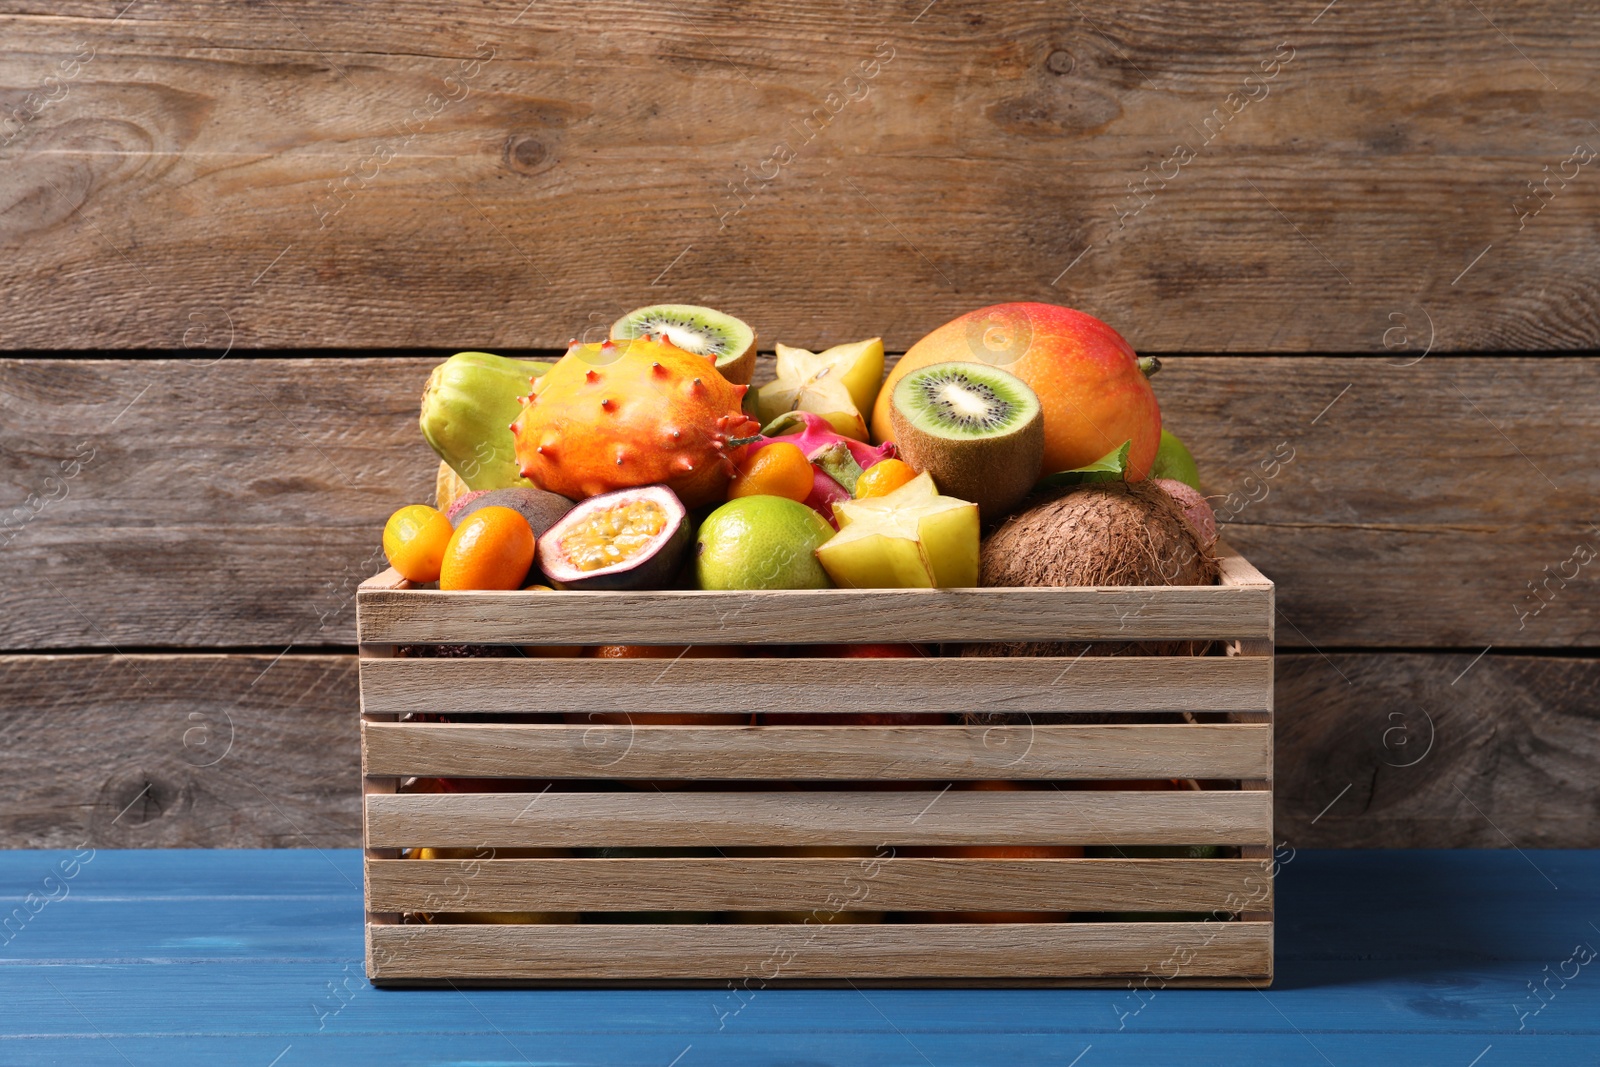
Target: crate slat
x=818, y=753
x=1018, y=684
x=868, y=883
x=772, y=952
x=1085, y=613
x=676, y=819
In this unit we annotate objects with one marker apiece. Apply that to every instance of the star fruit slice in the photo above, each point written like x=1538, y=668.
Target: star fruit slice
x=839, y=384
x=912, y=538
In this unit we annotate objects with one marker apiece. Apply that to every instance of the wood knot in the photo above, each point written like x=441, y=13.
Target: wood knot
x=136, y=797
x=525, y=154
x=1060, y=61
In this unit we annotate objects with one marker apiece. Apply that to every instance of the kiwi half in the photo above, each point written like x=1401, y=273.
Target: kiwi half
x=977, y=429
x=703, y=331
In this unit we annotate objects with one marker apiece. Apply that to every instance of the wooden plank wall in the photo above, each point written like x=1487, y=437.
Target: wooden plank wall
x=1363, y=233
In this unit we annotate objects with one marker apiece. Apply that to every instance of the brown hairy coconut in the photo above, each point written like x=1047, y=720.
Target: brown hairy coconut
x=1107, y=533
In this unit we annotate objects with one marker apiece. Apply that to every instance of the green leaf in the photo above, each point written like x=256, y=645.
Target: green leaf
x=1111, y=467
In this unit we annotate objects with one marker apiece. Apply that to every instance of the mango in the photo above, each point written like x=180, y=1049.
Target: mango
x=467, y=408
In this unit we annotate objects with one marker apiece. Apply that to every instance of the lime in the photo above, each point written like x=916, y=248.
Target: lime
x=761, y=542
x=1174, y=461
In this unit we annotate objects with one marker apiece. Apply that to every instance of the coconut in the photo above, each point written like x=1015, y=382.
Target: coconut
x=1105, y=533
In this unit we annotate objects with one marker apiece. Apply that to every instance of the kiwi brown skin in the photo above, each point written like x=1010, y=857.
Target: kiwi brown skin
x=1108, y=533
x=994, y=472
x=741, y=368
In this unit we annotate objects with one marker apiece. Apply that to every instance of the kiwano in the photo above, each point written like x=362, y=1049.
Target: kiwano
x=630, y=413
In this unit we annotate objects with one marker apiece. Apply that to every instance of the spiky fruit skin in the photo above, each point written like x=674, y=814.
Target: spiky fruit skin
x=631, y=413
x=1091, y=388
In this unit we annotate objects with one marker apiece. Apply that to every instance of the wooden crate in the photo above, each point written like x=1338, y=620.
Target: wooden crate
x=737, y=852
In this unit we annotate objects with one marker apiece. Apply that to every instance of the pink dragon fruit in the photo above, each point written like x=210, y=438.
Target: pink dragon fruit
x=835, y=459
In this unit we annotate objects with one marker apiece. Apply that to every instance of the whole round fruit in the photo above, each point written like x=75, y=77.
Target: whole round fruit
x=1091, y=384
x=883, y=478
x=414, y=539
x=1174, y=460
x=778, y=469
x=761, y=542
x=491, y=549
x=626, y=414
x=1195, y=508
x=1105, y=533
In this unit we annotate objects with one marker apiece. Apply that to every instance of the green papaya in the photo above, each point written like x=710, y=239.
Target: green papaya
x=467, y=408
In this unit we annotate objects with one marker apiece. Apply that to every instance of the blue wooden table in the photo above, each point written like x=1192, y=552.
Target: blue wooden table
x=1466, y=959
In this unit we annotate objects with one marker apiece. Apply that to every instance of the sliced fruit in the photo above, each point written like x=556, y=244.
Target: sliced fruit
x=1174, y=460
x=630, y=539
x=1095, y=390
x=883, y=478
x=912, y=538
x=414, y=539
x=778, y=469
x=703, y=331
x=761, y=542
x=467, y=408
x=839, y=384
x=492, y=549
x=542, y=509
x=977, y=429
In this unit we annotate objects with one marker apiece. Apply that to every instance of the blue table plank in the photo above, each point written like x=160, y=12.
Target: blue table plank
x=1120, y=1050
x=171, y=957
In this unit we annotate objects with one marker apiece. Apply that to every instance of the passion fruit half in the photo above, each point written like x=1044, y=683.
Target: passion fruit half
x=630, y=539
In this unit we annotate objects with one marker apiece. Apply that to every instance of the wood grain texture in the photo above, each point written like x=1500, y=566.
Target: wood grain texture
x=180, y=751
x=202, y=171
x=1438, y=751
x=1402, y=520
x=681, y=819
x=818, y=753
x=897, y=883
x=1516, y=734
x=965, y=950
x=698, y=616
x=934, y=684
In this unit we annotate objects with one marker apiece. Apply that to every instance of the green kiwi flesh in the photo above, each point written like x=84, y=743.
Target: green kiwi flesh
x=703, y=331
x=977, y=429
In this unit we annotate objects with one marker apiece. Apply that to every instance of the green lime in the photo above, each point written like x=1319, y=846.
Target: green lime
x=761, y=542
x=1174, y=461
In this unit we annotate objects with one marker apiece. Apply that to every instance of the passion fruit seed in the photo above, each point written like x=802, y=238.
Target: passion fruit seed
x=611, y=535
